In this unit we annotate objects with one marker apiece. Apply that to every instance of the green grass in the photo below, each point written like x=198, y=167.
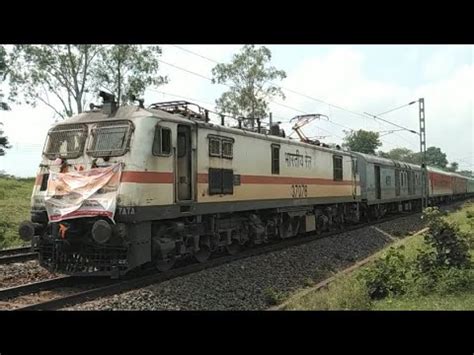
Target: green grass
x=348, y=292
x=15, y=197
x=460, y=217
x=434, y=302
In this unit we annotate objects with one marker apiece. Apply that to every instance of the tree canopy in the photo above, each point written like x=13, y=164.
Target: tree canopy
x=3, y=62
x=3, y=142
x=249, y=77
x=127, y=70
x=63, y=77
x=453, y=166
x=3, y=74
x=362, y=141
x=55, y=75
x=434, y=157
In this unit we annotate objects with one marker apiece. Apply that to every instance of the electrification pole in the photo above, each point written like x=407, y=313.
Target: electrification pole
x=424, y=171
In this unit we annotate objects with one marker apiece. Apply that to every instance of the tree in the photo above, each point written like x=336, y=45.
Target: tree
x=61, y=76
x=3, y=62
x=401, y=154
x=55, y=75
x=127, y=70
x=3, y=74
x=434, y=157
x=249, y=77
x=362, y=141
x=3, y=142
x=453, y=167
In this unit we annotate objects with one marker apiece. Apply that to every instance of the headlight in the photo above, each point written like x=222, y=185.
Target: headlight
x=101, y=231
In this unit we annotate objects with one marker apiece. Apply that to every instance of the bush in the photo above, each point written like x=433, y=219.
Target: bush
x=444, y=264
x=455, y=280
x=387, y=276
x=272, y=297
x=451, y=246
x=470, y=214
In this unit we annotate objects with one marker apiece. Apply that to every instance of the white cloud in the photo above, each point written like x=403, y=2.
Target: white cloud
x=442, y=62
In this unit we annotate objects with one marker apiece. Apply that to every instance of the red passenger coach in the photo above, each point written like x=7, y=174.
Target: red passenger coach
x=440, y=184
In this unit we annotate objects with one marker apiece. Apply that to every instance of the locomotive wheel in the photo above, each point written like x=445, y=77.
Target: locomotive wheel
x=165, y=265
x=203, y=254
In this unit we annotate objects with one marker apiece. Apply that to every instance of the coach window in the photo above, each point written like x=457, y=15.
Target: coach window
x=275, y=159
x=337, y=165
x=227, y=149
x=214, y=147
x=162, y=141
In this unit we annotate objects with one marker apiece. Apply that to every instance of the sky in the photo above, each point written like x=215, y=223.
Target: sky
x=340, y=81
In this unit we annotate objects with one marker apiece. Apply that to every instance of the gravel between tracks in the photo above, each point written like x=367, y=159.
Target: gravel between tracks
x=249, y=283
x=21, y=273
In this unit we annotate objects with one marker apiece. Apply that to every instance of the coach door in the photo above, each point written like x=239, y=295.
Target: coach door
x=378, y=192
x=397, y=182
x=354, y=177
x=184, y=177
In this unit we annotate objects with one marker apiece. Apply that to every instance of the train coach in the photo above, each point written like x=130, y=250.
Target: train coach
x=388, y=185
x=446, y=186
x=123, y=188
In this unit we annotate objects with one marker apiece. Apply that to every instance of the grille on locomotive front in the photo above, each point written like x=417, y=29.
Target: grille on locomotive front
x=87, y=259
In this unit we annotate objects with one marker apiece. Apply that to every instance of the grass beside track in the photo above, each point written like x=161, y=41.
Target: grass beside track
x=15, y=195
x=348, y=292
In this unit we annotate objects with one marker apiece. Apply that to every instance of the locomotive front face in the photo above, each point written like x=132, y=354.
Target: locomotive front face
x=74, y=199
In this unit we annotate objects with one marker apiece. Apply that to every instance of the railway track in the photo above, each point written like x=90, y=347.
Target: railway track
x=83, y=289
x=43, y=292
x=8, y=256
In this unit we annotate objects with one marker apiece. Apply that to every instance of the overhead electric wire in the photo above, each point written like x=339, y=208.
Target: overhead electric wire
x=396, y=108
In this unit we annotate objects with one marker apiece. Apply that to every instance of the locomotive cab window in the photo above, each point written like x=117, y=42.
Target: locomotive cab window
x=337, y=166
x=110, y=139
x=66, y=141
x=162, y=141
x=275, y=159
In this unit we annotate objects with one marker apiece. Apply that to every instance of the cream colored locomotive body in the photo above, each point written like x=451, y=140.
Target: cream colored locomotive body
x=305, y=171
